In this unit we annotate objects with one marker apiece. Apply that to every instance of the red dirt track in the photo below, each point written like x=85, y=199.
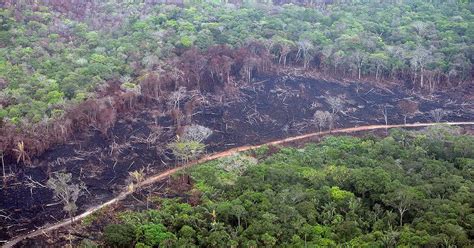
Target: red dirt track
x=165, y=174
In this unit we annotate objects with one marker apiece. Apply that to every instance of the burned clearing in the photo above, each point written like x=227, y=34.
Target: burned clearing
x=269, y=109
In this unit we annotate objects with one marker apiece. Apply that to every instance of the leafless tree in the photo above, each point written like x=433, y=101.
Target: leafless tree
x=152, y=139
x=304, y=50
x=419, y=59
x=66, y=191
x=321, y=119
x=336, y=103
x=408, y=108
x=332, y=120
x=32, y=184
x=324, y=119
x=385, y=113
x=438, y=114
x=176, y=96
x=196, y=133
x=249, y=64
x=3, y=163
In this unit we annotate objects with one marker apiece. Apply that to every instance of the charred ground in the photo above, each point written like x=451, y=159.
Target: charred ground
x=272, y=108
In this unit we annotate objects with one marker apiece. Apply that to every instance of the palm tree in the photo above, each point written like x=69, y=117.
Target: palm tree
x=21, y=153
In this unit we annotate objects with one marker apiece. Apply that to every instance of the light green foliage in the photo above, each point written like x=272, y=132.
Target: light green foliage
x=186, y=41
x=364, y=37
x=339, y=195
x=66, y=191
x=237, y=163
x=154, y=234
x=327, y=195
x=187, y=150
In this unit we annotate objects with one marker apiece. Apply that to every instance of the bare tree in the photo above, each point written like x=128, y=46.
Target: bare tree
x=304, y=50
x=385, y=113
x=331, y=120
x=336, y=103
x=176, y=96
x=152, y=139
x=438, y=114
x=3, y=164
x=408, y=108
x=249, y=64
x=324, y=119
x=284, y=49
x=321, y=119
x=358, y=59
x=66, y=191
x=419, y=59
x=196, y=133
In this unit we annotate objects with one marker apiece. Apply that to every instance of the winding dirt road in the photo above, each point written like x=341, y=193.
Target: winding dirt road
x=165, y=174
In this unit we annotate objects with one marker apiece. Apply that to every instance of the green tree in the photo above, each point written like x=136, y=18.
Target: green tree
x=403, y=199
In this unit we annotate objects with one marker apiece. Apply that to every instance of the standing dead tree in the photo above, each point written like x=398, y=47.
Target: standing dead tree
x=152, y=139
x=249, y=65
x=336, y=103
x=385, y=114
x=438, y=114
x=3, y=164
x=323, y=119
x=195, y=100
x=176, y=97
x=305, y=49
x=196, y=133
x=408, y=109
x=67, y=192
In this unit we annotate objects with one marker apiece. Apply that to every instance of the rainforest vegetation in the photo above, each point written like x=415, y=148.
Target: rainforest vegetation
x=98, y=95
x=64, y=62
x=410, y=189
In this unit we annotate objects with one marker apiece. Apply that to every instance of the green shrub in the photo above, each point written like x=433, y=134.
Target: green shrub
x=119, y=235
x=154, y=234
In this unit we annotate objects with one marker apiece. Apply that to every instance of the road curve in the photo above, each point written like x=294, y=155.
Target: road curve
x=165, y=174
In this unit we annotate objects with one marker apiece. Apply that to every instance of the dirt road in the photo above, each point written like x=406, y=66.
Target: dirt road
x=165, y=174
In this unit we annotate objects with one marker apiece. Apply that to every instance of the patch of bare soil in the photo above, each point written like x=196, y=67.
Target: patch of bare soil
x=270, y=109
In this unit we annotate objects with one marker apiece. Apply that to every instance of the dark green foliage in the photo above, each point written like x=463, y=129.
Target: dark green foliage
x=142, y=229
x=357, y=192
x=119, y=235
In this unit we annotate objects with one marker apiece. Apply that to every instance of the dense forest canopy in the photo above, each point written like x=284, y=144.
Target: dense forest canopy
x=53, y=54
x=131, y=88
x=411, y=189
